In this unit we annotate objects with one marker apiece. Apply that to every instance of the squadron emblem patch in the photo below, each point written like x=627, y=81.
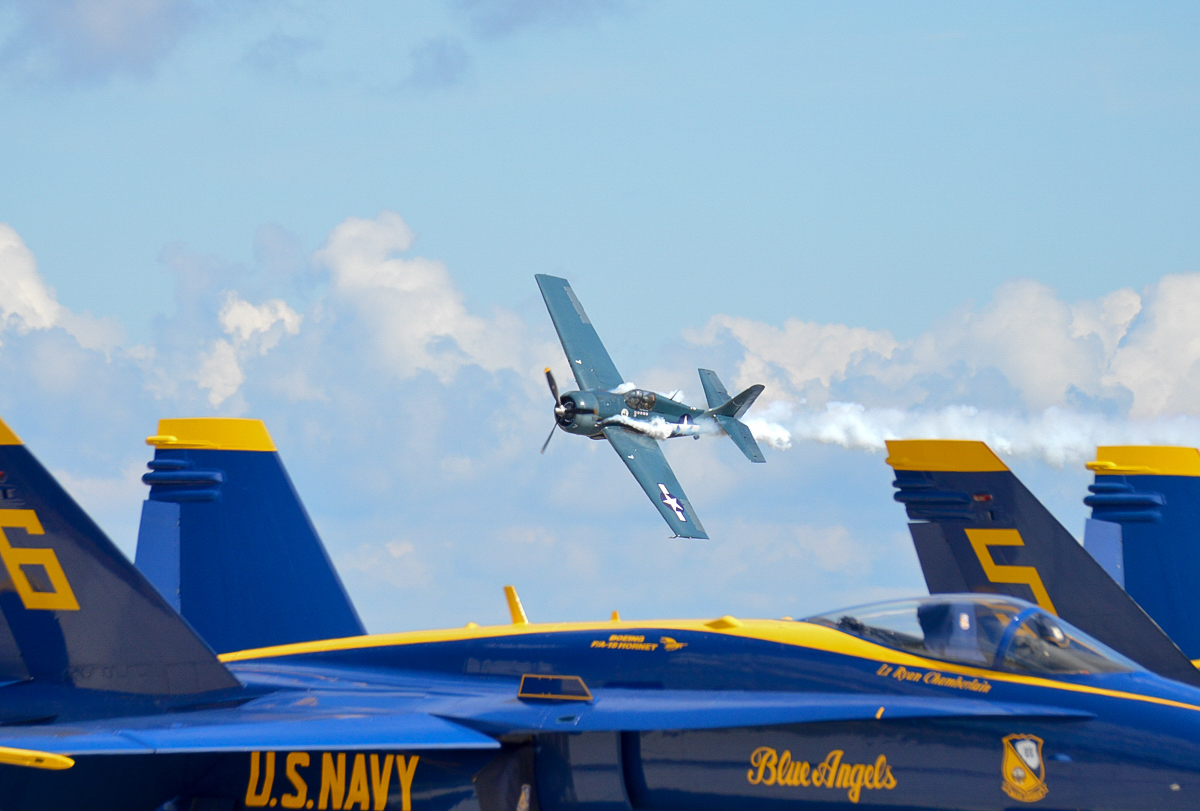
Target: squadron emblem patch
x=1023, y=769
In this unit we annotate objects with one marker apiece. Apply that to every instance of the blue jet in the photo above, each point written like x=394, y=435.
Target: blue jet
x=631, y=419
x=113, y=700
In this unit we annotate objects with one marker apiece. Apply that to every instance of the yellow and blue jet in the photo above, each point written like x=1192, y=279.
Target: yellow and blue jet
x=113, y=700
x=634, y=420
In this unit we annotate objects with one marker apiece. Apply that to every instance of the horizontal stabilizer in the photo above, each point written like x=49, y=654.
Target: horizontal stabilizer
x=971, y=514
x=714, y=389
x=741, y=436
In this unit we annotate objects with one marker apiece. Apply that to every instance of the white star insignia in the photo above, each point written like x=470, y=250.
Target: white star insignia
x=672, y=502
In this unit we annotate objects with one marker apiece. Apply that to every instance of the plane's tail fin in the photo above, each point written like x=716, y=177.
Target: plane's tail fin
x=225, y=537
x=977, y=528
x=727, y=411
x=73, y=610
x=1145, y=525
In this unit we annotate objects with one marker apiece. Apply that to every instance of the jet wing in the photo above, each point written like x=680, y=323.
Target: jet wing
x=250, y=728
x=646, y=462
x=590, y=363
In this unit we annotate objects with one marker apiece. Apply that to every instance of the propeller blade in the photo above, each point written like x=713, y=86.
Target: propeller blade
x=553, y=385
x=547, y=442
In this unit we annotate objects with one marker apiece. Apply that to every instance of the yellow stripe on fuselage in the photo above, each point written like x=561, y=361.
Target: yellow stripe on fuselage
x=798, y=634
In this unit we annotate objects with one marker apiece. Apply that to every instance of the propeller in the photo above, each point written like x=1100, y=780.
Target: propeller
x=563, y=411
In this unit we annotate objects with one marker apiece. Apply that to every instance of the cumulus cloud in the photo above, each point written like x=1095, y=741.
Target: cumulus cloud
x=413, y=309
x=92, y=40
x=28, y=303
x=1027, y=373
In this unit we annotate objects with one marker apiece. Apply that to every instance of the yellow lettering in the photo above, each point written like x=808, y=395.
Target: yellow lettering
x=804, y=770
x=62, y=598
x=333, y=781
x=843, y=776
x=827, y=771
x=763, y=759
x=889, y=782
x=405, y=773
x=783, y=770
x=858, y=777
x=358, y=785
x=380, y=781
x=883, y=670
x=296, y=760
x=255, y=798
x=981, y=539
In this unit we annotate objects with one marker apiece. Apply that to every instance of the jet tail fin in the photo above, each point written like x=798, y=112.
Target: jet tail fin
x=73, y=610
x=225, y=534
x=1145, y=518
x=976, y=525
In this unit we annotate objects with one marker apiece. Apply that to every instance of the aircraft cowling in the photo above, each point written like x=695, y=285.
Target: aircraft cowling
x=582, y=411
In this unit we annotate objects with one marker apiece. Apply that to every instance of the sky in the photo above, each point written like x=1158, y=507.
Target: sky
x=930, y=220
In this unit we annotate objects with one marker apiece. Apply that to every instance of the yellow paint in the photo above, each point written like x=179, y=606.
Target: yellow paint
x=254, y=797
x=981, y=539
x=953, y=455
x=879, y=714
x=8, y=436
x=215, y=433
x=724, y=622
x=616, y=616
x=514, y=606
x=1145, y=460
x=34, y=759
x=62, y=598
x=381, y=780
x=405, y=773
x=1022, y=782
x=333, y=780
x=358, y=793
x=770, y=768
x=798, y=634
x=296, y=760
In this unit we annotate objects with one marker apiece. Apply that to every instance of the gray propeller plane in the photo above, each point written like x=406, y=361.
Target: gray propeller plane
x=633, y=419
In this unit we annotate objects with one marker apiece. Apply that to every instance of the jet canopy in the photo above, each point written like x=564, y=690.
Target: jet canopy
x=1003, y=633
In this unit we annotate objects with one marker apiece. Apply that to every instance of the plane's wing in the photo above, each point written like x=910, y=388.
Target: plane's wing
x=249, y=728
x=589, y=360
x=646, y=462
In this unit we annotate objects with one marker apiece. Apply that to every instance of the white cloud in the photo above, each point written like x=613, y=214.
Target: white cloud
x=26, y=302
x=412, y=307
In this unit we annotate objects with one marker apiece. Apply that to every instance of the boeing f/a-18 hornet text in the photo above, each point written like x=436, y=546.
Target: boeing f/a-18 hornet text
x=228, y=670
x=631, y=419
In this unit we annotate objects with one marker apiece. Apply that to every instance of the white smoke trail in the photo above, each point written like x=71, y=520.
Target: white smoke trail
x=1058, y=436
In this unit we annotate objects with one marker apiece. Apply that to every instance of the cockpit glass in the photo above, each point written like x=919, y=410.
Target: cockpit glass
x=1045, y=644
x=640, y=400
x=969, y=629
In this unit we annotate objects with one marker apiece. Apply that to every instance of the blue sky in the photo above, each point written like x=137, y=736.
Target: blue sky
x=940, y=219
